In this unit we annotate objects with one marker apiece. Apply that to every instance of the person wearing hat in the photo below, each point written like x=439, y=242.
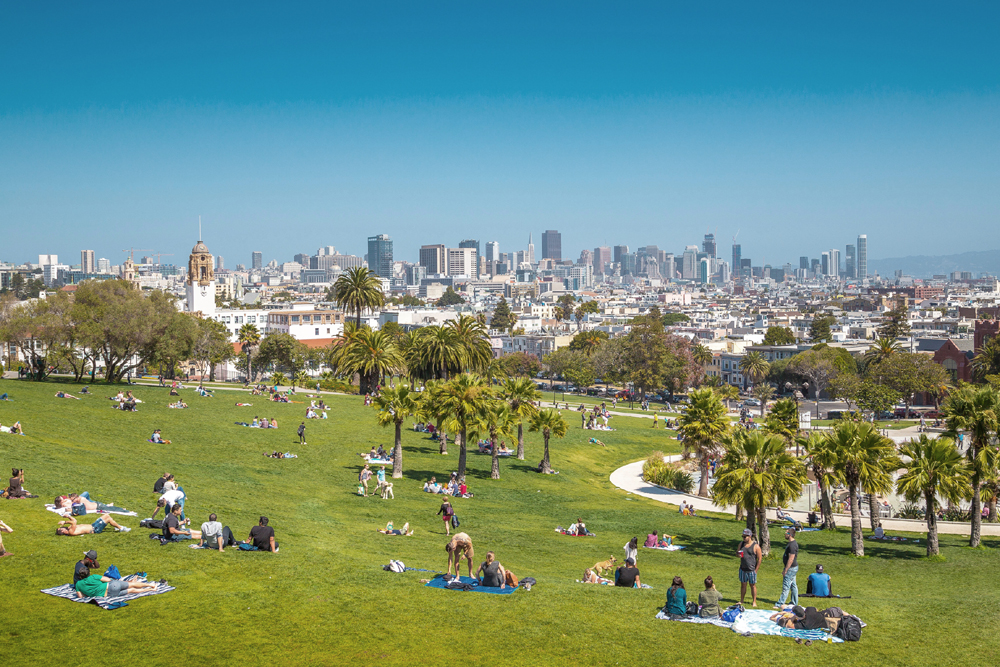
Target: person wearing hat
x=818, y=584
x=627, y=575
x=750, y=558
x=83, y=567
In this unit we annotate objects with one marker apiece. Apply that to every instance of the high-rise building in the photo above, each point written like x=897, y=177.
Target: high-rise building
x=668, y=268
x=824, y=262
x=380, y=255
x=586, y=257
x=689, y=263
x=103, y=265
x=463, y=262
x=529, y=256
x=304, y=259
x=850, y=263
x=815, y=267
x=602, y=259
x=803, y=262
x=492, y=251
x=708, y=245
x=432, y=257
x=415, y=273
x=551, y=245
x=620, y=252
x=834, y=263
x=257, y=260
x=87, y=261
x=704, y=270
x=220, y=263
x=471, y=243
x=862, y=261
x=737, y=255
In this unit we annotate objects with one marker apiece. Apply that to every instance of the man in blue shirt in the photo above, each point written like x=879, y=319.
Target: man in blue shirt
x=819, y=584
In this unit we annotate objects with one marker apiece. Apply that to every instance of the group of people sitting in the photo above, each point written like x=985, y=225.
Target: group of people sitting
x=377, y=454
x=204, y=392
x=579, y=529
x=15, y=488
x=125, y=400
x=686, y=509
x=312, y=413
x=455, y=487
x=654, y=541
x=490, y=573
x=179, y=405
x=14, y=429
x=157, y=438
x=596, y=419
x=486, y=447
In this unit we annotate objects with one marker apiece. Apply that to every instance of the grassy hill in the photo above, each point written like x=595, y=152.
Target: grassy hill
x=324, y=599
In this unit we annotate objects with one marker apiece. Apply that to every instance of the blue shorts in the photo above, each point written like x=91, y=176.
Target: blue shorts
x=99, y=526
x=748, y=577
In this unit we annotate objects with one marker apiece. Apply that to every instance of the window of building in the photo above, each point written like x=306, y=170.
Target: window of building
x=317, y=331
x=951, y=366
x=306, y=319
x=295, y=318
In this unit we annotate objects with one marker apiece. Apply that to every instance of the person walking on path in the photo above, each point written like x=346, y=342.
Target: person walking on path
x=791, y=561
x=302, y=433
x=750, y=558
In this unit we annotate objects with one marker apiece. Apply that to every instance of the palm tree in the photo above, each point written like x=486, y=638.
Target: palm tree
x=461, y=398
x=495, y=419
x=301, y=378
x=521, y=395
x=754, y=366
x=435, y=352
x=863, y=460
x=371, y=354
x=702, y=355
x=249, y=337
x=756, y=472
x=990, y=491
x=703, y=426
x=822, y=459
x=934, y=467
x=784, y=420
x=987, y=360
x=763, y=393
x=358, y=289
x=474, y=342
x=278, y=378
x=432, y=408
x=549, y=423
x=727, y=393
x=976, y=411
x=394, y=405
x=882, y=349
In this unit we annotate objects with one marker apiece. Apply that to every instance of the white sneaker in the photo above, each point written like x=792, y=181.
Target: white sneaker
x=124, y=529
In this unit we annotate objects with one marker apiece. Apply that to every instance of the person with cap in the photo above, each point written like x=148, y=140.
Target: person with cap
x=750, y=558
x=627, y=576
x=790, y=558
x=83, y=567
x=818, y=584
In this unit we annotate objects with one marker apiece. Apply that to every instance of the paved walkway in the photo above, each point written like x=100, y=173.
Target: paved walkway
x=629, y=478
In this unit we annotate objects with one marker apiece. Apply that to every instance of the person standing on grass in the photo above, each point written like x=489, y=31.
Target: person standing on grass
x=791, y=571
x=447, y=511
x=302, y=433
x=750, y=558
x=366, y=474
x=460, y=546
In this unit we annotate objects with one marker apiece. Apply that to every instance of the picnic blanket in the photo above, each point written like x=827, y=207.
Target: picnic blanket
x=563, y=531
x=441, y=582
x=611, y=583
x=68, y=592
x=379, y=462
x=65, y=512
x=694, y=619
x=672, y=547
x=758, y=622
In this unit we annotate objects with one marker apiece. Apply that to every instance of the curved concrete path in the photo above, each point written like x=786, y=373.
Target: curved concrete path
x=629, y=478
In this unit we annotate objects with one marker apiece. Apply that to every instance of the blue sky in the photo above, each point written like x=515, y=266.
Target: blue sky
x=799, y=125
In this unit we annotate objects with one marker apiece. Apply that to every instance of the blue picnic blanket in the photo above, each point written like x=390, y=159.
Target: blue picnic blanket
x=758, y=622
x=441, y=582
x=694, y=619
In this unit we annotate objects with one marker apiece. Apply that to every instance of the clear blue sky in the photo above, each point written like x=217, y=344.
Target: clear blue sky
x=799, y=124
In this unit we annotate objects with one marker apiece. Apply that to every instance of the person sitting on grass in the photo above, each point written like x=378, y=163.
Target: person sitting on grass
x=652, y=540
x=784, y=516
x=214, y=535
x=579, y=528
x=4, y=528
x=16, y=488
x=261, y=537
x=389, y=530
x=627, y=576
x=818, y=584
x=431, y=486
x=676, y=598
x=172, y=531
x=83, y=567
x=63, y=394
x=491, y=573
x=459, y=547
x=179, y=405
x=709, y=599
x=70, y=528
x=157, y=438
x=97, y=586
x=590, y=577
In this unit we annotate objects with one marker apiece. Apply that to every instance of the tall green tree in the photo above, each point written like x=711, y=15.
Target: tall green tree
x=249, y=338
x=933, y=467
x=357, y=290
x=462, y=398
x=394, y=405
x=987, y=360
x=822, y=459
x=819, y=329
x=494, y=419
x=783, y=420
x=975, y=412
x=763, y=393
x=372, y=355
x=895, y=323
x=549, y=423
x=521, y=396
x=779, y=336
x=908, y=374
x=521, y=364
x=473, y=341
x=588, y=341
x=284, y=351
x=703, y=425
x=754, y=366
x=435, y=353
x=450, y=298
x=882, y=349
x=503, y=319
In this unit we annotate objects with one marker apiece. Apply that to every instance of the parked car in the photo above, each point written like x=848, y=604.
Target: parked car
x=932, y=414
x=840, y=414
x=751, y=402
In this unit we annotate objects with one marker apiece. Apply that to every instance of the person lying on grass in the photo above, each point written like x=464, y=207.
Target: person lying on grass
x=71, y=528
x=13, y=430
x=172, y=530
x=97, y=586
x=491, y=573
x=460, y=546
x=63, y=394
x=389, y=530
x=262, y=537
x=4, y=528
x=179, y=405
x=590, y=577
x=67, y=502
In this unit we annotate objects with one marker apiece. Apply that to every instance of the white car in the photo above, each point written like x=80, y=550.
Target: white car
x=755, y=402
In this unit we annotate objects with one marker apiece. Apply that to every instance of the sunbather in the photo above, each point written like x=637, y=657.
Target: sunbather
x=179, y=405
x=4, y=528
x=97, y=586
x=67, y=502
x=590, y=577
x=71, y=528
x=63, y=394
x=389, y=530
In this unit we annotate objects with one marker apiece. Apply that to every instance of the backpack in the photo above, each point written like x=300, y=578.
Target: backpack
x=510, y=579
x=394, y=566
x=78, y=509
x=454, y=521
x=849, y=629
x=112, y=572
x=730, y=615
x=692, y=608
x=156, y=524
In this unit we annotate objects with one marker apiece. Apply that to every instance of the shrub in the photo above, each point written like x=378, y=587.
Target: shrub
x=655, y=471
x=910, y=511
x=682, y=481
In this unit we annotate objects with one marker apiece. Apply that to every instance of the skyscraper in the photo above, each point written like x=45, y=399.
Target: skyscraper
x=471, y=243
x=689, y=263
x=586, y=257
x=834, y=263
x=493, y=251
x=708, y=245
x=257, y=260
x=380, y=255
x=850, y=263
x=704, y=270
x=620, y=252
x=668, y=268
x=220, y=263
x=804, y=262
x=87, y=261
x=737, y=255
x=529, y=256
x=824, y=262
x=103, y=265
x=432, y=257
x=602, y=259
x=862, y=262
x=463, y=262
x=552, y=245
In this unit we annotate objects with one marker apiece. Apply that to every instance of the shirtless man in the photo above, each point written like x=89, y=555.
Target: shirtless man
x=460, y=547
x=72, y=529
x=67, y=502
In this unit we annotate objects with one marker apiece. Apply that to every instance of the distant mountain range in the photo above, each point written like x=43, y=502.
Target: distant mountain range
x=925, y=266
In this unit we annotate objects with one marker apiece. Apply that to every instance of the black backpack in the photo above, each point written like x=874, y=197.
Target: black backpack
x=156, y=524
x=692, y=608
x=849, y=628
x=454, y=521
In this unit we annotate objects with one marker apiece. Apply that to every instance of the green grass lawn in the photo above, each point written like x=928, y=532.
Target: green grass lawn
x=324, y=599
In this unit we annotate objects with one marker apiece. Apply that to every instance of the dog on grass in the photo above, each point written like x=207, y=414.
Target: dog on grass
x=386, y=491
x=608, y=564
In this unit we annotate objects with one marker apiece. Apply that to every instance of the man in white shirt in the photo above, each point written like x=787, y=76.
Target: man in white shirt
x=169, y=499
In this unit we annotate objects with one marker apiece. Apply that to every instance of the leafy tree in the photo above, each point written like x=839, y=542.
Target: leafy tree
x=462, y=398
x=976, y=412
x=934, y=467
x=817, y=366
x=373, y=355
x=495, y=419
x=896, y=323
x=503, y=319
x=549, y=423
x=394, y=405
x=357, y=290
x=907, y=373
x=520, y=395
x=211, y=346
x=703, y=426
x=283, y=351
x=779, y=336
x=875, y=398
x=819, y=330
x=763, y=393
x=881, y=350
x=565, y=305
x=581, y=375
x=249, y=337
x=450, y=298
x=561, y=361
x=177, y=342
x=521, y=364
x=434, y=353
x=588, y=341
x=670, y=319
x=406, y=300
x=656, y=359
x=609, y=361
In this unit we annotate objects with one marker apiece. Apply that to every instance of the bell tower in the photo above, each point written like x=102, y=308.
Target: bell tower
x=201, y=281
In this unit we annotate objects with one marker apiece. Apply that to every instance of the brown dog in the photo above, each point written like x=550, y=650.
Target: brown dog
x=608, y=564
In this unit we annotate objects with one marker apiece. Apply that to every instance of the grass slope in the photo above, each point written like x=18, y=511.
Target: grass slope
x=324, y=599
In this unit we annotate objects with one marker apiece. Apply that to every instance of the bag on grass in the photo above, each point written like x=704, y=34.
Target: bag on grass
x=454, y=521
x=394, y=566
x=510, y=579
x=156, y=524
x=850, y=628
x=692, y=608
x=732, y=613
x=78, y=509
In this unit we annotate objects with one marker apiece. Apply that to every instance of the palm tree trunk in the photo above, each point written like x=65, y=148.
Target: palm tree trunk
x=751, y=519
x=765, y=534
x=462, y=453
x=703, y=469
x=932, y=531
x=520, y=441
x=397, y=452
x=495, y=463
x=739, y=512
x=826, y=507
x=992, y=518
x=873, y=511
x=857, y=538
x=546, y=468
x=977, y=517
x=443, y=442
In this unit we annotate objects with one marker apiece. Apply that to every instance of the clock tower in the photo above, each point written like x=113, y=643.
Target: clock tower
x=201, y=281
